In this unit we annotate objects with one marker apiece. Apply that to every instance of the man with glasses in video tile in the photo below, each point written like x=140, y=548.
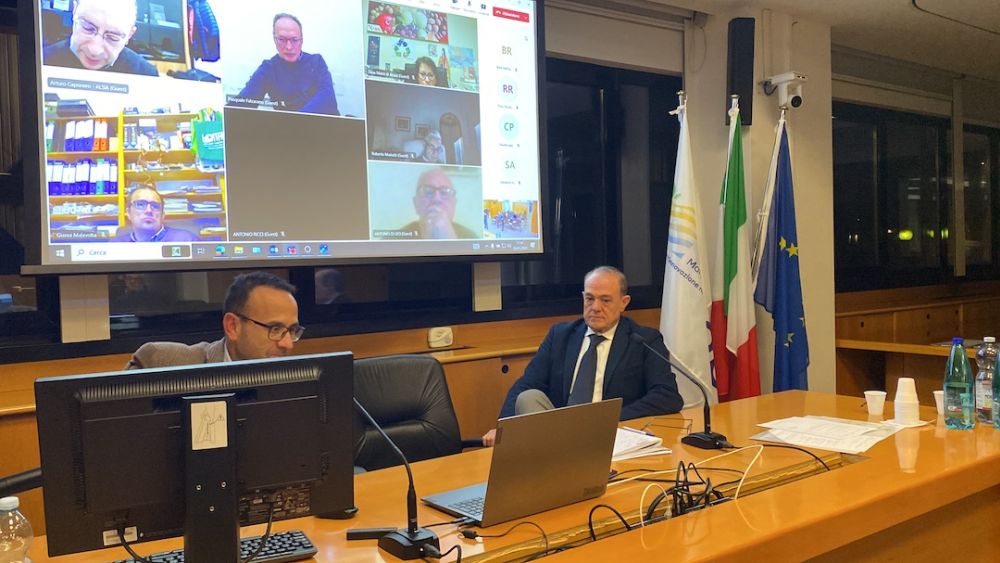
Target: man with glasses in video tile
x=435, y=203
x=101, y=31
x=261, y=320
x=292, y=80
x=145, y=215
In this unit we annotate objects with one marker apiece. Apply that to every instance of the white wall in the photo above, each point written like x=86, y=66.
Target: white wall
x=586, y=34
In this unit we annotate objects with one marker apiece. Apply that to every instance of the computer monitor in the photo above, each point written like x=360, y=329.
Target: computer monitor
x=157, y=452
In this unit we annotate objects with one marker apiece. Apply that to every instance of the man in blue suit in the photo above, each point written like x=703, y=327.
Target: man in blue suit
x=595, y=358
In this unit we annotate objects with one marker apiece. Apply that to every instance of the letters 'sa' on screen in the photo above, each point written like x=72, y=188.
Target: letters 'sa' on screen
x=211, y=131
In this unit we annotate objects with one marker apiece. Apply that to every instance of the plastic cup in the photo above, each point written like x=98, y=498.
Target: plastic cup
x=906, y=390
x=907, y=412
x=876, y=401
x=939, y=401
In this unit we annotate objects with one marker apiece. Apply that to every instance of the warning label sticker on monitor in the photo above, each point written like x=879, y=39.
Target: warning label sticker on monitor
x=208, y=422
x=111, y=536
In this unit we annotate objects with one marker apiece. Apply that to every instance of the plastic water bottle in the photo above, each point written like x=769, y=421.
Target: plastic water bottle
x=986, y=358
x=959, y=401
x=15, y=532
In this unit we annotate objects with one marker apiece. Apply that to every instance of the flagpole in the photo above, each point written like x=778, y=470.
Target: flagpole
x=765, y=206
x=734, y=113
x=681, y=105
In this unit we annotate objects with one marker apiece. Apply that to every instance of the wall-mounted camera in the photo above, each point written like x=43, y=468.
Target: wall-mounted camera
x=789, y=87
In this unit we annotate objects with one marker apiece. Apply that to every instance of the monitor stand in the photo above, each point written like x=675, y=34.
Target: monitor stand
x=211, y=519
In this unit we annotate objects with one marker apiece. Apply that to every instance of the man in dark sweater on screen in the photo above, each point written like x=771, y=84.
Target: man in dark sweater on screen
x=291, y=80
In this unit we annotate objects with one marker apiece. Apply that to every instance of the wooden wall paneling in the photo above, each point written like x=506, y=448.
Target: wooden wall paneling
x=19, y=439
x=511, y=369
x=981, y=319
x=645, y=317
x=928, y=324
x=492, y=333
x=488, y=334
x=368, y=345
x=22, y=375
x=859, y=371
x=876, y=326
x=478, y=389
x=473, y=387
x=927, y=373
x=908, y=296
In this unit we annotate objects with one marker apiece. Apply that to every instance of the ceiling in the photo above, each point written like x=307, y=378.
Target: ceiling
x=960, y=36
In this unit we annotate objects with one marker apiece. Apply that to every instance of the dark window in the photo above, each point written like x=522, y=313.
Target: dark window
x=371, y=298
x=980, y=157
x=28, y=310
x=913, y=215
x=611, y=150
x=855, y=197
x=893, y=199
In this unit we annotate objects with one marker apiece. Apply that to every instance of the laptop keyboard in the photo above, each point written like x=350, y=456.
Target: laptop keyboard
x=473, y=506
x=282, y=547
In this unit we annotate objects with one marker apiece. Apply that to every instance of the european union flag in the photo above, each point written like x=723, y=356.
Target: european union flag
x=779, y=287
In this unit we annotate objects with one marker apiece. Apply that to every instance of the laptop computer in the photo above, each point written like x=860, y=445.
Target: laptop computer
x=540, y=461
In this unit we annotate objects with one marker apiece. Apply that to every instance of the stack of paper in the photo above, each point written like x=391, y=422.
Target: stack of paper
x=175, y=205
x=631, y=443
x=206, y=206
x=826, y=433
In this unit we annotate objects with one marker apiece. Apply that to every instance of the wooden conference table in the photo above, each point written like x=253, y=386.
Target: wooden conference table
x=908, y=494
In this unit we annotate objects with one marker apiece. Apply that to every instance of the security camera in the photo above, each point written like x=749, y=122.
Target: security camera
x=789, y=87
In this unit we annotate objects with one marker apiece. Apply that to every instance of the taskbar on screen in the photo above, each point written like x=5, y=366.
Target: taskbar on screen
x=214, y=251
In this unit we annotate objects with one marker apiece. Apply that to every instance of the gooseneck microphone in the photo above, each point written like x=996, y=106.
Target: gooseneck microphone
x=409, y=543
x=20, y=482
x=706, y=440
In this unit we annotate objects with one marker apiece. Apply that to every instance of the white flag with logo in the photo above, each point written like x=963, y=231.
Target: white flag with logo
x=686, y=307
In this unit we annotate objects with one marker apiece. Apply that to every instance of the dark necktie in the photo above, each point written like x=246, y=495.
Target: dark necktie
x=583, y=388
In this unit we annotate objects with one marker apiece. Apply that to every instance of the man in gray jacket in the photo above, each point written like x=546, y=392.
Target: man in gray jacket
x=261, y=320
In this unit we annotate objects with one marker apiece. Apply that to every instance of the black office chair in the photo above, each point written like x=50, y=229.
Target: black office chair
x=408, y=396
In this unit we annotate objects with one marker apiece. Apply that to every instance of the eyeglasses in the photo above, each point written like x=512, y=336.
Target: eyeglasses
x=293, y=41
x=111, y=37
x=277, y=332
x=142, y=204
x=429, y=191
x=427, y=75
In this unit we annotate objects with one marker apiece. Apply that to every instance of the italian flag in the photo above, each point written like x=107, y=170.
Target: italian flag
x=734, y=325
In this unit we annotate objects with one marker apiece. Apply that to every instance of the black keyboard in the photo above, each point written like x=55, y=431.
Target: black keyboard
x=282, y=547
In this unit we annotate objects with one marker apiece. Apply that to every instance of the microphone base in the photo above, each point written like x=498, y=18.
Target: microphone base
x=405, y=545
x=706, y=440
